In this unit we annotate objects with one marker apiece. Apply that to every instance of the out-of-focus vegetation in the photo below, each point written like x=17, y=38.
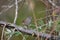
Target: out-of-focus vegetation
x=23, y=13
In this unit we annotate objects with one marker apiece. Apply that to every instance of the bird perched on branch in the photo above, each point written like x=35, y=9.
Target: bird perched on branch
x=27, y=21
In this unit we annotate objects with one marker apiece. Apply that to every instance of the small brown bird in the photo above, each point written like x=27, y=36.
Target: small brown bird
x=27, y=21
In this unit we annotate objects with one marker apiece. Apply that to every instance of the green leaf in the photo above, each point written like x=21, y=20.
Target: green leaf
x=58, y=22
x=40, y=22
x=32, y=26
x=24, y=38
x=17, y=33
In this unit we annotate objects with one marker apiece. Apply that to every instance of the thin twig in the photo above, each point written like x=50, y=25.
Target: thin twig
x=3, y=32
x=16, y=14
x=45, y=17
x=11, y=34
x=34, y=16
x=53, y=4
x=4, y=10
x=54, y=25
x=16, y=11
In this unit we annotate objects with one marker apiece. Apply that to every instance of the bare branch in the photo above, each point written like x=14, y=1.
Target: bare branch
x=26, y=31
x=12, y=5
x=3, y=32
x=53, y=4
x=16, y=11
